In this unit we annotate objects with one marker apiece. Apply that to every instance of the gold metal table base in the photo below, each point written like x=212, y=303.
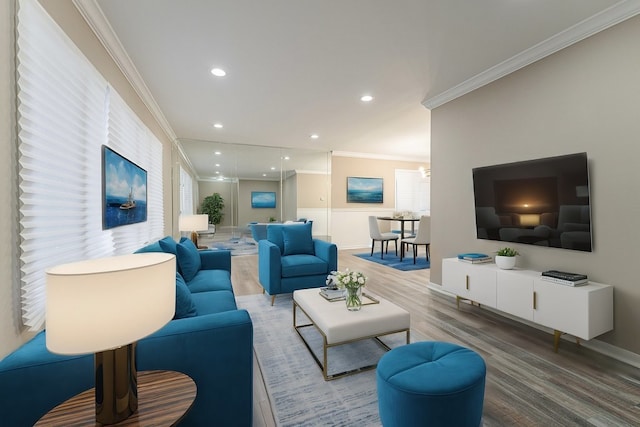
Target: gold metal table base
x=325, y=346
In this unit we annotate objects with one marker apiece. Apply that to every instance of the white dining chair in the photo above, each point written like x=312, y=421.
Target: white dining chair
x=383, y=238
x=422, y=238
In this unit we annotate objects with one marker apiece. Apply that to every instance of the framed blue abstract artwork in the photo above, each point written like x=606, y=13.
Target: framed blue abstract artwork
x=124, y=190
x=263, y=199
x=364, y=190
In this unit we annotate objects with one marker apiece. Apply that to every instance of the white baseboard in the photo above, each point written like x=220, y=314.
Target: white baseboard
x=617, y=353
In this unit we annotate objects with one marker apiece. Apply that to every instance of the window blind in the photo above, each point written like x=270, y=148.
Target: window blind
x=186, y=192
x=66, y=112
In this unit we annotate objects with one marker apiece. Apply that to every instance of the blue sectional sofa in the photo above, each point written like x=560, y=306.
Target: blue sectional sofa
x=210, y=340
x=290, y=259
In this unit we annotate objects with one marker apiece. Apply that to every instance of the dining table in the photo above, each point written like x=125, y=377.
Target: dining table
x=402, y=220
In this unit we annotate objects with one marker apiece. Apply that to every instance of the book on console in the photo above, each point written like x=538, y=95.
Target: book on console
x=563, y=275
x=473, y=255
x=476, y=260
x=550, y=279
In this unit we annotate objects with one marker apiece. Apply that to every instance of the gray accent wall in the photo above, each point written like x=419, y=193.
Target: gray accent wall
x=583, y=98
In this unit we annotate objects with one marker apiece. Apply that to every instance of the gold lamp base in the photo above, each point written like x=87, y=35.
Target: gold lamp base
x=116, y=384
x=194, y=238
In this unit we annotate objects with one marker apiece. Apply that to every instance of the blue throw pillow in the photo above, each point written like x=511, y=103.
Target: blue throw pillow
x=168, y=245
x=297, y=239
x=185, y=307
x=188, y=259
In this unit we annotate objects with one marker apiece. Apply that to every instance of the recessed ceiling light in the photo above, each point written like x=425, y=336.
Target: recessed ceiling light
x=366, y=98
x=287, y=157
x=273, y=168
x=264, y=174
x=218, y=72
x=217, y=153
x=217, y=172
x=217, y=125
x=217, y=165
x=314, y=136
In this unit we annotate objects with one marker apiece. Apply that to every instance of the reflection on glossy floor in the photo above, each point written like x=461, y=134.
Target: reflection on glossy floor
x=527, y=383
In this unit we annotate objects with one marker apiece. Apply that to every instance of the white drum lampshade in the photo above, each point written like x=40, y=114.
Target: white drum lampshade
x=104, y=306
x=193, y=223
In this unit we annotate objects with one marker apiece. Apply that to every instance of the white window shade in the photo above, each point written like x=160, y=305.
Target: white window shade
x=186, y=193
x=61, y=115
x=65, y=114
x=129, y=137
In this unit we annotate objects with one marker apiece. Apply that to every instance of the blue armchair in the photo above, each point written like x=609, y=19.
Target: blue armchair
x=289, y=259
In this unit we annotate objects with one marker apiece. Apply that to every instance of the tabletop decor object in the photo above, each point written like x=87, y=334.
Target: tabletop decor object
x=104, y=306
x=506, y=258
x=193, y=224
x=352, y=282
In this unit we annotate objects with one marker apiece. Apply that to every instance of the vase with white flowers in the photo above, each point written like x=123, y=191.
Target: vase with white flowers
x=352, y=282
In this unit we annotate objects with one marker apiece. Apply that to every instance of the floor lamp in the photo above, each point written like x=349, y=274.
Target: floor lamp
x=104, y=306
x=193, y=223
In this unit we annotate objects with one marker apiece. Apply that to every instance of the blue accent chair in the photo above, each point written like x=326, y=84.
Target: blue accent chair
x=290, y=259
x=258, y=231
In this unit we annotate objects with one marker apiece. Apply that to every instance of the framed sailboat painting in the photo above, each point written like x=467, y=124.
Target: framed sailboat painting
x=124, y=190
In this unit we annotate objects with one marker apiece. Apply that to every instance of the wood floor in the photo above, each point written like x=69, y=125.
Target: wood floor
x=527, y=383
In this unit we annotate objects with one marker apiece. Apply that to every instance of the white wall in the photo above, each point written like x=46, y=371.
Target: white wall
x=583, y=98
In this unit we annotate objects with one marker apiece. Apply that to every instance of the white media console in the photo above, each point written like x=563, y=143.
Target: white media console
x=582, y=311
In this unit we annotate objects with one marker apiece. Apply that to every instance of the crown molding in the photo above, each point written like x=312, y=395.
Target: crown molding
x=415, y=159
x=93, y=15
x=609, y=17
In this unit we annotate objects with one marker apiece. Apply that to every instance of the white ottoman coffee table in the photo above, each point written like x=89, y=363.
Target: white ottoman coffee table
x=339, y=326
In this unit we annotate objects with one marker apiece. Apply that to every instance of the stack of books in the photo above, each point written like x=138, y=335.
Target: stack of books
x=475, y=258
x=564, y=278
x=332, y=294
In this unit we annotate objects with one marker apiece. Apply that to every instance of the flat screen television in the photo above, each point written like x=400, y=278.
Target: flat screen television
x=543, y=202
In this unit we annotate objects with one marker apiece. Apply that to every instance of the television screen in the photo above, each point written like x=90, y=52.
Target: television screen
x=542, y=202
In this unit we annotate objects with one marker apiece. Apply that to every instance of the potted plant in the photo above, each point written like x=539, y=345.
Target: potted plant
x=506, y=258
x=212, y=206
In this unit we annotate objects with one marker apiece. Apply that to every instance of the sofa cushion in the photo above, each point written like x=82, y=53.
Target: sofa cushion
x=297, y=239
x=188, y=259
x=152, y=247
x=185, y=307
x=303, y=265
x=210, y=280
x=168, y=245
x=214, y=302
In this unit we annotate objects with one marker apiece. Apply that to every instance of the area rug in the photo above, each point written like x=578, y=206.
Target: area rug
x=298, y=393
x=236, y=246
x=393, y=261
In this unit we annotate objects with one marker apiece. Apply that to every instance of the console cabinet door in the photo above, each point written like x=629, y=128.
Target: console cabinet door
x=515, y=293
x=583, y=311
x=473, y=282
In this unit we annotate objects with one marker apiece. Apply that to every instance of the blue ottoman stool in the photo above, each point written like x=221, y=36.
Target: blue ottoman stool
x=431, y=384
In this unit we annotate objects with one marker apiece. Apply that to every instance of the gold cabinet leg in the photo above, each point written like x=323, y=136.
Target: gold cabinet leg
x=458, y=302
x=556, y=340
x=273, y=299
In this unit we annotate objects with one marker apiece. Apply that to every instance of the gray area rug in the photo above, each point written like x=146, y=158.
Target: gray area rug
x=299, y=395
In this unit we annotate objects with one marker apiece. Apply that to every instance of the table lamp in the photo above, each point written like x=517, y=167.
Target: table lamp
x=193, y=223
x=104, y=306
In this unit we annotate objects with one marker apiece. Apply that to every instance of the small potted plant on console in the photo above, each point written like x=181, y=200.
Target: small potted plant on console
x=506, y=258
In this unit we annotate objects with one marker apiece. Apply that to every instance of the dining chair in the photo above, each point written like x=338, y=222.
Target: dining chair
x=422, y=238
x=376, y=235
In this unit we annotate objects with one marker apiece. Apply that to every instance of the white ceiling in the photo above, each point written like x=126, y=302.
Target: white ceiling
x=297, y=67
